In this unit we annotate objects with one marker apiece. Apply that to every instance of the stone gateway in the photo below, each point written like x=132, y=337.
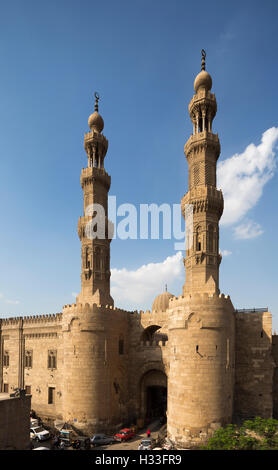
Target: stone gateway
x=193, y=359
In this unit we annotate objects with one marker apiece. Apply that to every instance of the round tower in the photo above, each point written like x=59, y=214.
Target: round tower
x=201, y=322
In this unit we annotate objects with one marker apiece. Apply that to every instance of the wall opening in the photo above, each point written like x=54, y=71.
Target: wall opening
x=156, y=398
x=153, y=395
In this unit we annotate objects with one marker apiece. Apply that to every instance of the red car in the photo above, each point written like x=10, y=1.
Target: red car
x=124, y=434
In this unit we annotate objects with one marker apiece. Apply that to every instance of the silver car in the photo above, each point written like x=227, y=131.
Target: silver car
x=146, y=444
x=101, y=440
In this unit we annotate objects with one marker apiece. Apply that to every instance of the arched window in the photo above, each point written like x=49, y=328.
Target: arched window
x=198, y=239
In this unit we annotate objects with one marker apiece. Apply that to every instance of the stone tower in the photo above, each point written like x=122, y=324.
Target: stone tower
x=92, y=328
x=202, y=151
x=93, y=226
x=201, y=322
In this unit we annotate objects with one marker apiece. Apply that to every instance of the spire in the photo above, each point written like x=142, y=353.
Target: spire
x=203, y=64
x=95, y=120
x=203, y=79
x=96, y=102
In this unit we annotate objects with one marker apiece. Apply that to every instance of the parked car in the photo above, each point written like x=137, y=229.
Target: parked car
x=146, y=444
x=41, y=448
x=101, y=440
x=124, y=434
x=34, y=422
x=39, y=433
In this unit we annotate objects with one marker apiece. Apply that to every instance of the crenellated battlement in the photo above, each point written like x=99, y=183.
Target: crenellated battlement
x=93, y=308
x=153, y=344
x=30, y=319
x=198, y=298
x=11, y=321
x=55, y=317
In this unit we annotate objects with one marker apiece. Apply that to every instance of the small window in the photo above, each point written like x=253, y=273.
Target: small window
x=28, y=359
x=6, y=388
x=51, y=395
x=262, y=334
x=121, y=346
x=28, y=389
x=6, y=359
x=52, y=360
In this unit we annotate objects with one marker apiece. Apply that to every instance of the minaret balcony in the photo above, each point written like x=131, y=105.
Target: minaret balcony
x=200, y=97
x=94, y=136
x=202, y=140
x=203, y=199
x=90, y=174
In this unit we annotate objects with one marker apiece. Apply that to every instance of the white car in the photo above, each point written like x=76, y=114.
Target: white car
x=146, y=444
x=34, y=422
x=41, y=448
x=39, y=433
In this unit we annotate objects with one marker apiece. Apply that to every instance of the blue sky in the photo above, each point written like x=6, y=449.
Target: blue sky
x=142, y=57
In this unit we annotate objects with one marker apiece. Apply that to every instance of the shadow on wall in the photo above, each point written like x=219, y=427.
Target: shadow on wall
x=254, y=365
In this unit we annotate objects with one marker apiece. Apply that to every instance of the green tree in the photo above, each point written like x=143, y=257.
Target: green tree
x=264, y=436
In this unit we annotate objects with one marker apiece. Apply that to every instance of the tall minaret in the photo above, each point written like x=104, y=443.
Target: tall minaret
x=93, y=226
x=201, y=323
x=202, y=151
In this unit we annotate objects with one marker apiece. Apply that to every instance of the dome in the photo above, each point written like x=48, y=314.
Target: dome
x=161, y=302
x=96, y=122
x=204, y=80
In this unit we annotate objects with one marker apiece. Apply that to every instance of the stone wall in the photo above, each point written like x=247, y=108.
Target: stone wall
x=38, y=335
x=14, y=422
x=254, y=365
x=104, y=363
x=275, y=376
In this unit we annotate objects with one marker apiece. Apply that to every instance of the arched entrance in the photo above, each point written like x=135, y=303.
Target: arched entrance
x=153, y=334
x=153, y=394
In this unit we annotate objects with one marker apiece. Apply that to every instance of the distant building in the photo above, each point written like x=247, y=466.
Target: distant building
x=194, y=357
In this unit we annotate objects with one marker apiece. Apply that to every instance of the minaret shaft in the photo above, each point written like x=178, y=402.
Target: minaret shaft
x=93, y=225
x=203, y=201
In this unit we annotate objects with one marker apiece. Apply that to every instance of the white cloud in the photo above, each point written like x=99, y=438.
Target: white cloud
x=243, y=176
x=74, y=294
x=133, y=289
x=13, y=302
x=225, y=252
x=8, y=301
x=247, y=230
